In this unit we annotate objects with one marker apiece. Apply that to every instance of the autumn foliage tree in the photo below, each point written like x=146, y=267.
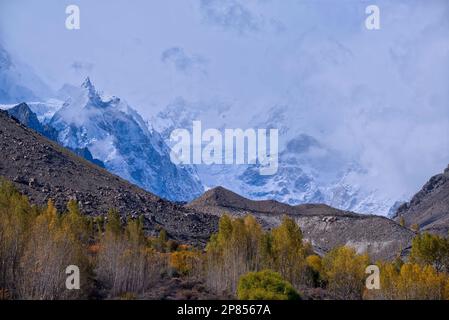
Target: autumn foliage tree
x=242, y=246
x=411, y=282
x=55, y=242
x=186, y=262
x=232, y=252
x=126, y=264
x=285, y=251
x=16, y=217
x=344, y=271
x=36, y=247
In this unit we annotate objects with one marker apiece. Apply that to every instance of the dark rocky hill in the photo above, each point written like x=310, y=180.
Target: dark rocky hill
x=429, y=208
x=221, y=197
x=42, y=169
x=325, y=227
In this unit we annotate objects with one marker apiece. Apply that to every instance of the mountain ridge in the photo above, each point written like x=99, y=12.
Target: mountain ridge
x=220, y=196
x=429, y=207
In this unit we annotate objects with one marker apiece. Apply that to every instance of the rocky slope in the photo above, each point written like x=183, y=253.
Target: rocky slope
x=325, y=227
x=429, y=208
x=42, y=169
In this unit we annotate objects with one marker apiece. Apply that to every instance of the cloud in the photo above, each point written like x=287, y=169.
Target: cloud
x=182, y=62
x=230, y=15
x=82, y=66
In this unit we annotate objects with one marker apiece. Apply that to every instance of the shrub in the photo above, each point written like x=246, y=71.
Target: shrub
x=265, y=285
x=185, y=262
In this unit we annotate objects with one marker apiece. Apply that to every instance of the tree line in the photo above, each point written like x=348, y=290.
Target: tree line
x=118, y=261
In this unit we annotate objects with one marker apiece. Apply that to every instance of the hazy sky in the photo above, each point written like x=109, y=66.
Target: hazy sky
x=382, y=96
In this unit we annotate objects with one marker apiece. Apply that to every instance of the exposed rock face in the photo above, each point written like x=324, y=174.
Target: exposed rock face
x=325, y=227
x=27, y=117
x=42, y=169
x=429, y=208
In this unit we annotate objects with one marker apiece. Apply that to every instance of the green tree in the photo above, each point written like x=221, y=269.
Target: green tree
x=430, y=249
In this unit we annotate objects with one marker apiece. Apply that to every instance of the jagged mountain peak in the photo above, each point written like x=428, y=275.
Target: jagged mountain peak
x=25, y=115
x=88, y=84
x=97, y=98
x=116, y=134
x=23, y=107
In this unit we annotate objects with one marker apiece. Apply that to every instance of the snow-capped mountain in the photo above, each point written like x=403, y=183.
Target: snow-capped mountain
x=104, y=130
x=118, y=136
x=309, y=171
x=18, y=82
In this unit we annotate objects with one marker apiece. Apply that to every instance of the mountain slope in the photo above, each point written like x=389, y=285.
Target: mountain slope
x=325, y=227
x=118, y=136
x=429, y=208
x=41, y=169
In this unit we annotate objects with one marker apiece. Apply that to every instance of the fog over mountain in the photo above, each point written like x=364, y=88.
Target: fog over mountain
x=363, y=115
